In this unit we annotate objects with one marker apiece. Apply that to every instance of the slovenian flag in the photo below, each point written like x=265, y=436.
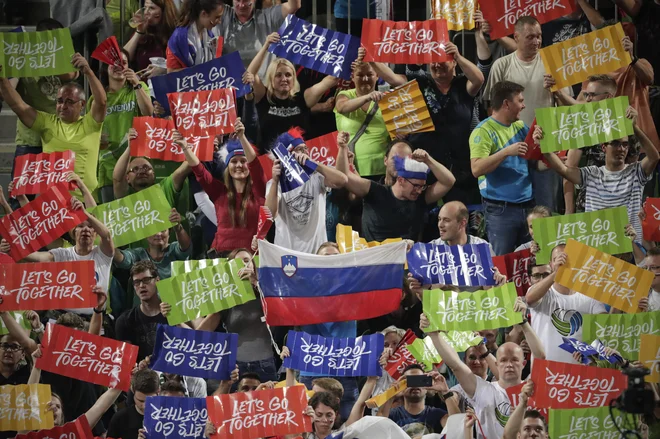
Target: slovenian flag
x=305, y=289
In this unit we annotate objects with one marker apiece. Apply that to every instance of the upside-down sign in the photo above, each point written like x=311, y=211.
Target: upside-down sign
x=404, y=111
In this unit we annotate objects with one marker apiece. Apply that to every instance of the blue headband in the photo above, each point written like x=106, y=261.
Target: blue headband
x=409, y=168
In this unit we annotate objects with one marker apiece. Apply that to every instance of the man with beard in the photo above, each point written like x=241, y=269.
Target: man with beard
x=450, y=100
x=84, y=235
x=414, y=417
x=617, y=183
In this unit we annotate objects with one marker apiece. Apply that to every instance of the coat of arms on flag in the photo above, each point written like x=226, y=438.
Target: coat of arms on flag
x=289, y=265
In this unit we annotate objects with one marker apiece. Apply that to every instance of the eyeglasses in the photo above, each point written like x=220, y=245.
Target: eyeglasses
x=618, y=143
x=537, y=276
x=10, y=347
x=653, y=267
x=68, y=102
x=145, y=168
x=144, y=281
x=591, y=95
x=420, y=187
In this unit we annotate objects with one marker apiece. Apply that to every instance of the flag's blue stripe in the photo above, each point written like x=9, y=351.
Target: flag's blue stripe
x=314, y=282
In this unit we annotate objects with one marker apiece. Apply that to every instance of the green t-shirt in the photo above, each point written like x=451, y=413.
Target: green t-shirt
x=39, y=93
x=370, y=148
x=122, y=108
x=82, y=137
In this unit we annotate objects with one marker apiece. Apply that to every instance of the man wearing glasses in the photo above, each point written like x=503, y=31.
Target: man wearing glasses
x=397, y=211
x=616, y=183
x=652, y=263
x=138, y=325
x=68, y=129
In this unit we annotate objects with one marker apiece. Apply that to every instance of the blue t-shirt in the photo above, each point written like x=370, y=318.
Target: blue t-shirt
x=428, y=421
x=510, y=181
x=334, y=329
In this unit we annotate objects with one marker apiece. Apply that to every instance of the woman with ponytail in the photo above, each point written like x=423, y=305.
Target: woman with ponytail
x=238, y=197
x=191, y=43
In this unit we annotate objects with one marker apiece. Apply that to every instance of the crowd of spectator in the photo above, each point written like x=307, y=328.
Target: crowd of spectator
x=480, y=189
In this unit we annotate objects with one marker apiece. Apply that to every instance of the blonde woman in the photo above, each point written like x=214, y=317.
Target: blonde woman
x=280, y=104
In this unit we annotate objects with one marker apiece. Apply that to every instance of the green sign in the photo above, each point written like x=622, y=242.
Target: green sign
x=589, y=422
x=581, y=125
x=32, y=54
x=490, y=309
x=603, y=230
x=461, y=340
x=621, y=331
x=205, y=291
x=180, y=267
x=135, y=217
x=20, y=319
x=424, y=352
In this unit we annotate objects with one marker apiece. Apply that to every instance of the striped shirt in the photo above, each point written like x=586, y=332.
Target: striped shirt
x=605, y=189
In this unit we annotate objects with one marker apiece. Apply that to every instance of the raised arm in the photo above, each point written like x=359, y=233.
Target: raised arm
x=102, y=405
x=96, y=322
x=88, y=198
x=272, y=199
x=572, y=161
x=21, y=335
x=630, y=7
x=535, y=293
x=355, y=184
x=387, y=75
x=591, y=13
x=119, y=182
x=533, y=341
x=107, y=246
x=472, y=73
x=314, y=94
x=100, y=101
x=257, y=61
x=179, y=176
x=357, y=412
x=26, y=114
x=571, y=174
x=512, y=427
x=444, y=176
x=463, y=373
x=643, y=69
x=239, y=128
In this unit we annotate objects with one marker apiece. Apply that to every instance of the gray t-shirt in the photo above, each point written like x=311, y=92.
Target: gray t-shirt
x=248, y=38
x=253, y=336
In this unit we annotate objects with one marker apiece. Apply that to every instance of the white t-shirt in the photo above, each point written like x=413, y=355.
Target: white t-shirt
x=300, y=221
x=559, y=315
x=492, y=407
x=102, y=265
x=654, y=301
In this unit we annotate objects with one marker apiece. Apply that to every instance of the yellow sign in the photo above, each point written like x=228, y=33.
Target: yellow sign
x=24, y=407
x=458, y=13
x=404, y=111
x=390, y=393
x=649, y=356
x=604, y=277
x=350, y=241
x=572, y=61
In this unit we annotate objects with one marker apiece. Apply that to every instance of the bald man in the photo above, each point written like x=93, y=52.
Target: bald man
x=489, y=399
x=394, y=149
x=452, y=224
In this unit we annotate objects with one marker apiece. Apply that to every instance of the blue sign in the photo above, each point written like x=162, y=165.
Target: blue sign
x=461, y=265
x=339, y=357
x=224, y=72
x=172, y=417
x=600, y=348
x=293, y=175
x=201, y=354
x=572, y=345
x=316, y=48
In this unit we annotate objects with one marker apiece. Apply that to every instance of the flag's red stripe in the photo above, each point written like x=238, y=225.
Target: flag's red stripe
x=295, y=311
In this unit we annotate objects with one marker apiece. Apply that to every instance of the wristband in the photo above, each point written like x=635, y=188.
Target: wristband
x=484, y=356
x=96, y=311
x=139, y=33
x=39, y=330
x=137, y=87
x=634, y=61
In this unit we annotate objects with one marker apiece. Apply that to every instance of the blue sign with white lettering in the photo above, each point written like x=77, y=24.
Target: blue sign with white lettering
x=172, y=417
x=224, y=72
x=339, y=357
x=201, y=354
x=461, y=265
x=572, y=345
x=316, y=48
x=293, y=174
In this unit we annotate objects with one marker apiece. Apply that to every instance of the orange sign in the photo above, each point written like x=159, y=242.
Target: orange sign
x=405, y=111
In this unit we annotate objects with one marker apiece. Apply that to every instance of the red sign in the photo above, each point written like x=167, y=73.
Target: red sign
x=534, y=150
x=401, y=357
x=572, y=386
x=40, y=222
x=35, y=173
x=515, y=267
x=47, y=285
x=324, y=149
x=218, y=49
x=78, y=429
x=266, y=165
x=87, y=357
x=203, y=113
x=514, y=397
x=265, y=222
x=651, y=224
x=405, y=42
x=265, y=413
x=503, y=14
x=154, y=140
